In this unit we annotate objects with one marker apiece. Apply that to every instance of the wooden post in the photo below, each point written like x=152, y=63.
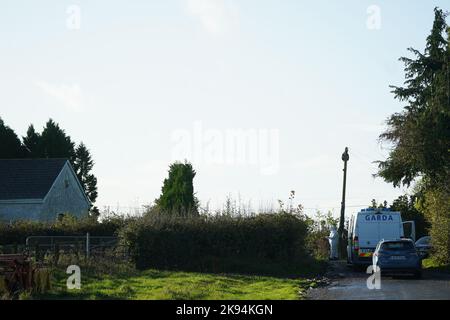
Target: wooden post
x=87, y=245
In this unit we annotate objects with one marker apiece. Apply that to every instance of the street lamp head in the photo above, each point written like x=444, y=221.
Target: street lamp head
x=345, y=156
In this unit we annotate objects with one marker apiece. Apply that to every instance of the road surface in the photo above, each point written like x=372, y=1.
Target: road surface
x=346, y=284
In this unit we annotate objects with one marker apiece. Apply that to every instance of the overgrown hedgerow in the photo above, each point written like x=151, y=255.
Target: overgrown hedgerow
x=265, y=243
x=269, y=244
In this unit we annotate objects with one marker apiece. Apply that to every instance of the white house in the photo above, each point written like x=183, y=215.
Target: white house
x=40, y=190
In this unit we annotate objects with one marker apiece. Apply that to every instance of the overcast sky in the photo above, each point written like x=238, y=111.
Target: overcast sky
x=262, y=96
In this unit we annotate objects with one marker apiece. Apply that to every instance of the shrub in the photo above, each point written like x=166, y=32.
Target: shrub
x=266, y=243
x=318, y=232
x=437, y=211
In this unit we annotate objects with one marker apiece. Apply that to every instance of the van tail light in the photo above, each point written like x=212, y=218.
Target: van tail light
x=356, y=243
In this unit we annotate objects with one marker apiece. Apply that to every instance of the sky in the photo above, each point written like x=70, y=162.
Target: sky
x=262, y=96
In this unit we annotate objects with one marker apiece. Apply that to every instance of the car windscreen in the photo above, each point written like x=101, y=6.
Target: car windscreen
x=394, y=246
x=423, y=241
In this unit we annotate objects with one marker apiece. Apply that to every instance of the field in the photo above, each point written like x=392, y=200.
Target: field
x=155, y=284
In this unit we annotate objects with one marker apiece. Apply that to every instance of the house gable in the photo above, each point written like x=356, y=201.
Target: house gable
x=65, y=196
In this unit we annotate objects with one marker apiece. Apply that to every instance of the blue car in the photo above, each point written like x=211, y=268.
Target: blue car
x=398, y=257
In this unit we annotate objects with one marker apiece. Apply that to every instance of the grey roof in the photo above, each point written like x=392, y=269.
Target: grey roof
x=28, y=178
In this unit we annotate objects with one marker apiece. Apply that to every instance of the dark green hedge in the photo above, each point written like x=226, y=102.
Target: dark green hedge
x=262, y=244
x=265, y=244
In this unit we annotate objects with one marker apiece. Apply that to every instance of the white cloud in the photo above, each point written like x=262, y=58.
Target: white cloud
x=70, y=96
x=216, y=16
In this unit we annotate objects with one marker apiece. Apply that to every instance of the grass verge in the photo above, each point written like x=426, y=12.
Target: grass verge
x=171, y=285
x=432, y=265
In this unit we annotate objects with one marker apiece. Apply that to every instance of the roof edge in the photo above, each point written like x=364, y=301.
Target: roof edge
x=22, y=201
x=31, y=159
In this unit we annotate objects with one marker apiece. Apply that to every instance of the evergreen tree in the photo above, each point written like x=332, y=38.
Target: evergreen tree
x=177, y=195
x=10, y=146
x=83, y=165
x=54, y=143
x=31, y=143
x=420, y=134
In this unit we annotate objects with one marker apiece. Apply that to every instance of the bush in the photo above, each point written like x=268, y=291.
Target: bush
x=266, y=243
x=437, y=211
x=318, y=232
x=318, y=244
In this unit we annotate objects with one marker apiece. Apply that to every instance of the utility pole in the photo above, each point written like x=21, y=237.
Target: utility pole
x=342, y=246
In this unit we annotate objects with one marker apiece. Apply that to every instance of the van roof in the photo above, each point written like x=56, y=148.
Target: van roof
x=375, y=209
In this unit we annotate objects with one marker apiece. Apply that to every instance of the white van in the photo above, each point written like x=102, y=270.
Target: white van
x=370, y=226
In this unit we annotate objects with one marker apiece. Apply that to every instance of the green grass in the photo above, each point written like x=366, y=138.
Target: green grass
x=155, y=284
x=431, y=264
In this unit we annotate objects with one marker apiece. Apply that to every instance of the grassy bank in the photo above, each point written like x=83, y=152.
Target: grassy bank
x=154, y=284
x=431, y=264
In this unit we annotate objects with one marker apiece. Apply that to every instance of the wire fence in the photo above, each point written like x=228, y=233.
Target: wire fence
x=86, y=243
x=52, y=248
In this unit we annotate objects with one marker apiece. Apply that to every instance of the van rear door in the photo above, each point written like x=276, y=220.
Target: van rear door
x=368, y=233
x=409, y=230
x=389, y=230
